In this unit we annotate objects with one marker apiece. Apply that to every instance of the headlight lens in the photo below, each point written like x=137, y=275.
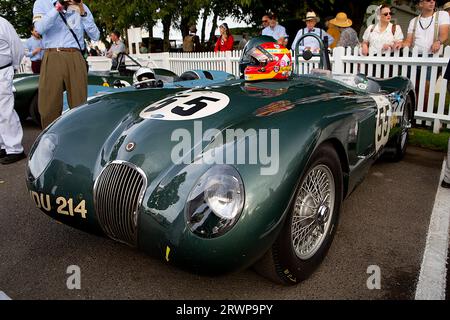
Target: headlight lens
x=215, y=203
x=42, y=154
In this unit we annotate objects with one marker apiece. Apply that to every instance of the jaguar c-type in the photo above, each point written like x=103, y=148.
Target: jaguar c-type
x=249, y=172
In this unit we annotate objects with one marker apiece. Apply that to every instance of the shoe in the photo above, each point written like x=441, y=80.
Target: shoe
x=11, y=158
x=2, y=153
x=445, y=184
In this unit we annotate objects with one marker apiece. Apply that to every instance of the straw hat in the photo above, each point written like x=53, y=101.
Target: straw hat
x=446, y=6
x=341, y=20
x=311, y=16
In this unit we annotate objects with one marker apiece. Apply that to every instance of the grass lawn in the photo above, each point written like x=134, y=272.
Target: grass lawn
x=425, y=138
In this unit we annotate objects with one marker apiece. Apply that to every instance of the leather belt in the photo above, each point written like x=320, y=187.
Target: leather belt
x=62, y=50
x=6, y=66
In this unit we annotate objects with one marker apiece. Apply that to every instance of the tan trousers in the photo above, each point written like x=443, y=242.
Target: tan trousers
x=61, y=71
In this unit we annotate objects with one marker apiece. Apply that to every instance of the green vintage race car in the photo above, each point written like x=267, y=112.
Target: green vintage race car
x=220, y=178
x=26, y=85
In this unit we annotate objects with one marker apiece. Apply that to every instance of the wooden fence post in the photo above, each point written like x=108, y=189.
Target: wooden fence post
x=338, y=66
x=228, y=65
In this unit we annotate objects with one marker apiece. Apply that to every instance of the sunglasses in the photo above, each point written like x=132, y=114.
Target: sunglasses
x=388, y=14
x=428, y=0
x=265, y=21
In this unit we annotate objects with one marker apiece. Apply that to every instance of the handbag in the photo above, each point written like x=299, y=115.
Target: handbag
x=83, y=51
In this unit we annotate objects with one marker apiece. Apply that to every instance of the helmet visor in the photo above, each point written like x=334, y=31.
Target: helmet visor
x=260, y=55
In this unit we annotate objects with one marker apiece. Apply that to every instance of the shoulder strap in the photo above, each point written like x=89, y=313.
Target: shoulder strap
x=436, y=26
x=71, y=31
x=414, y=31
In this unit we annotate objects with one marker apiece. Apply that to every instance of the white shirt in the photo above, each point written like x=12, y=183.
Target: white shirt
x=11, y=48
x=377, y=39
x=277, y=32
x=310, y=42
x=424, y=37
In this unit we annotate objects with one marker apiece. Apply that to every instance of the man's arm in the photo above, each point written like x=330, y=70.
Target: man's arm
x=89, y=24
x=43, y=18
x=17, y=48
x=109, y=53
x=443, y=32
x=408, y=41
x=29, y=49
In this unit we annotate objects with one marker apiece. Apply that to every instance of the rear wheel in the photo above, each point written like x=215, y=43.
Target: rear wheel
x=311, y=223
x=402, y=138
x=34, y=110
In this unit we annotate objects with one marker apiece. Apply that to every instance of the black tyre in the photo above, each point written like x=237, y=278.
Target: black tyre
x=401, y=141
x=34, y=110
x=310, y=225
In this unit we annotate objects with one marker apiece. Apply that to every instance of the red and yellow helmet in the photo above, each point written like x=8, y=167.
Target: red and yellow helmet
x=269, y=61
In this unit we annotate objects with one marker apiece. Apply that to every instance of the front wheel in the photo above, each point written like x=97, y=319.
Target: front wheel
x=311, y=223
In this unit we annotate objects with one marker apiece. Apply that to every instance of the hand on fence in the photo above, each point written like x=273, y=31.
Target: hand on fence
x=436, y=46
x=398, y=45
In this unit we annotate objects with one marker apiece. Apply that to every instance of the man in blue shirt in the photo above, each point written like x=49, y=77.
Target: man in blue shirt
x=278, y=32
x=311, y=43
x=35, y=51
x=62, y=25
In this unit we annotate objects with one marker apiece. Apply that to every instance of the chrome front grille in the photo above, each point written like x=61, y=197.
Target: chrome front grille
x=118, y=193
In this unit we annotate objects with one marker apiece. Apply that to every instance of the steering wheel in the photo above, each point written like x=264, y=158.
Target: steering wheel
x=307, y=54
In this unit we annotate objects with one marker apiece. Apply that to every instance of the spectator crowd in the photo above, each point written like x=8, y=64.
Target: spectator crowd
x=57, y=50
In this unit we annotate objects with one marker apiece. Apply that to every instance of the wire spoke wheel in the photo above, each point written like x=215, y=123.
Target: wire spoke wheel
x=406, y=124
x=312, y=211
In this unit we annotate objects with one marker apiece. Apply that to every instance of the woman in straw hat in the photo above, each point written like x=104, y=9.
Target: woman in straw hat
x=349, y=37
x=310, y=43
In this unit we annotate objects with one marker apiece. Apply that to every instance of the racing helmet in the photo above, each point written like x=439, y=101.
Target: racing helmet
x=246, y=59
x=268, y=60
x=144, y=78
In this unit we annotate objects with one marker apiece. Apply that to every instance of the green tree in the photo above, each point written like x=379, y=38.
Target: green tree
x=19, y=13
x=120, y=15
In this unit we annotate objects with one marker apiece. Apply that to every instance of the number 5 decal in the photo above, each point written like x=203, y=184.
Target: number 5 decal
x=198, y=104
x=382, y=121
x=187, y=106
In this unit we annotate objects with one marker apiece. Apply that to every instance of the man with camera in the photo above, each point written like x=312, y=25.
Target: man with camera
x=62, y=25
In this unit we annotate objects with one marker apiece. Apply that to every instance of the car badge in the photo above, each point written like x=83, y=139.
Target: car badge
x=362, y=86
x=130, y=146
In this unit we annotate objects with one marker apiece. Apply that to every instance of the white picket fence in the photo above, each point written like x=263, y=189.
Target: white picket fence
x=434, y=112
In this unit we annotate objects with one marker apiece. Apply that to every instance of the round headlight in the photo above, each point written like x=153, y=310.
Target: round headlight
x=215, y=203
x=42, y=154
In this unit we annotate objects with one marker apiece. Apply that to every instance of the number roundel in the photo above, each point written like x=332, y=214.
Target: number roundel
x=187, y=106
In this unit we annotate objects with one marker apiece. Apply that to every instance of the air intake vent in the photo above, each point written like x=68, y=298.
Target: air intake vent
x=118, y=192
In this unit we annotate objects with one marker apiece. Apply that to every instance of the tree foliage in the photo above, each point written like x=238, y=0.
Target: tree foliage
x=181, y=14
x=19, y=13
